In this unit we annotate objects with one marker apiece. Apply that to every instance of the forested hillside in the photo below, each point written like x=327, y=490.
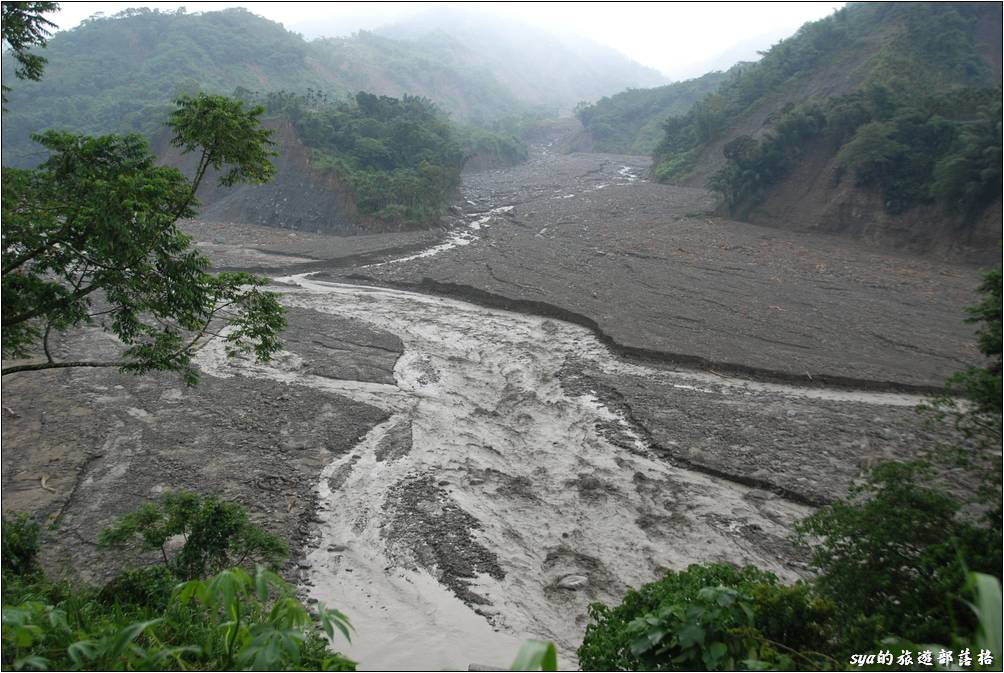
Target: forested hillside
x=386, y=161
x=120, y=73
x=631, y=122
x=882, y=120
x=399, y=156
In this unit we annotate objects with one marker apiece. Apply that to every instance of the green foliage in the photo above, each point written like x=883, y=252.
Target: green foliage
x=708, y=617
x=120, y=74
x=252, y=635
x=20, y=545
x=979, y=418
x=922, y=127
x=23, y=27
x=536, y=655
x=145, y=619
x=400, y=156
x=983, y=384
x=754, y=165
x=149, y=586
x=228, y=137
x=90, y=237
x=915, y=151
x=988, y=609
x=893, y=556
x=232, y=621
x=217, y=534
x=497, y=149
x=676, y=166
x=631, y=122
x=968, y=177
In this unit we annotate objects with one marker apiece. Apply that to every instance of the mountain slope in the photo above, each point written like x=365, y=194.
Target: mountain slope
x=877, y=121
x=120, y=73
x=630, y=122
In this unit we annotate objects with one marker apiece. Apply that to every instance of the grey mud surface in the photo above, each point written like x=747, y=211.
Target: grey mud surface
x=458, y=477
x=83, y=447
x=642, y=262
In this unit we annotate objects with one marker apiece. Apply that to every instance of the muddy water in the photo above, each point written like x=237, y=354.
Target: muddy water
x=490, y=487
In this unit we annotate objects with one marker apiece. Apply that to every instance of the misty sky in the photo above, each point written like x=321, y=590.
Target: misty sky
x=679, y=39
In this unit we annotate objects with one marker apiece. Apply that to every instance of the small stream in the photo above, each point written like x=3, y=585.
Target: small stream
x=492, y=505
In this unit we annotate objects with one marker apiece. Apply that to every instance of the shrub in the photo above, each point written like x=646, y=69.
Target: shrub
x=893, y=556
x=232, y=621
x=217, y=534
x=150, y=586
x=708, y=617
x=20, y=544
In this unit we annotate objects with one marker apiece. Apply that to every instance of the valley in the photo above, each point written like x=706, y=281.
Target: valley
x=483, y=431
x=461, y=338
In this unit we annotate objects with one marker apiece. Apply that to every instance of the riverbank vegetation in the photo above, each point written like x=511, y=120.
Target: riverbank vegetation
x=181, y=614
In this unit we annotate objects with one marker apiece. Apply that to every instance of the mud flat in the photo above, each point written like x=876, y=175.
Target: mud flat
x=86, y=446
x=644, y=263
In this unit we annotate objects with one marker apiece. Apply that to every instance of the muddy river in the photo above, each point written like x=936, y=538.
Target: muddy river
x=494, y=505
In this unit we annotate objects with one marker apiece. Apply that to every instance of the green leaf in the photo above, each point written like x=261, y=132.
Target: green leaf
x=124, y=637
x=989, y=610
x=690, y=635
x=536, y=655
x=32, y=661
x=82, y=651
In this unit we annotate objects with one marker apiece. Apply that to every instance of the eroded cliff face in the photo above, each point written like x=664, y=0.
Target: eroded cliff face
x=300, y=197
x=819, y=196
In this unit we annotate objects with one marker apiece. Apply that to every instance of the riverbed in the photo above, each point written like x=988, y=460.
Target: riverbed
x=497, y=500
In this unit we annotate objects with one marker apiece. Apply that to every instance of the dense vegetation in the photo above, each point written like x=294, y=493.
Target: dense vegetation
x=944, y=148
x=183, y=614
x=631, y=122
x=921, y=124
x=905, y=563
x=119, y=74
x=401, y=157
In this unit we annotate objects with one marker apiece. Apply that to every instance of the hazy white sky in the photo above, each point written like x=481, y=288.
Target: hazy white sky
x=682, y=39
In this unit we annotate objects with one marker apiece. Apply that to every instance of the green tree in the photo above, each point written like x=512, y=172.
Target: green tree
x=23, y=27
x=90, y=237
x=218, y=535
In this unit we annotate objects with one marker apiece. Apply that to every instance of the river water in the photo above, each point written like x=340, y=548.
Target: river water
x=490, y=482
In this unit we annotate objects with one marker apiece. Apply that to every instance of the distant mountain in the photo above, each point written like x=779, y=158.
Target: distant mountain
x=120, y=73
x=882, y=121
x=540, y=68
x=630, y=122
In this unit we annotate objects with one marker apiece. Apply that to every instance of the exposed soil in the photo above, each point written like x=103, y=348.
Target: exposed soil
x=82, y=447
